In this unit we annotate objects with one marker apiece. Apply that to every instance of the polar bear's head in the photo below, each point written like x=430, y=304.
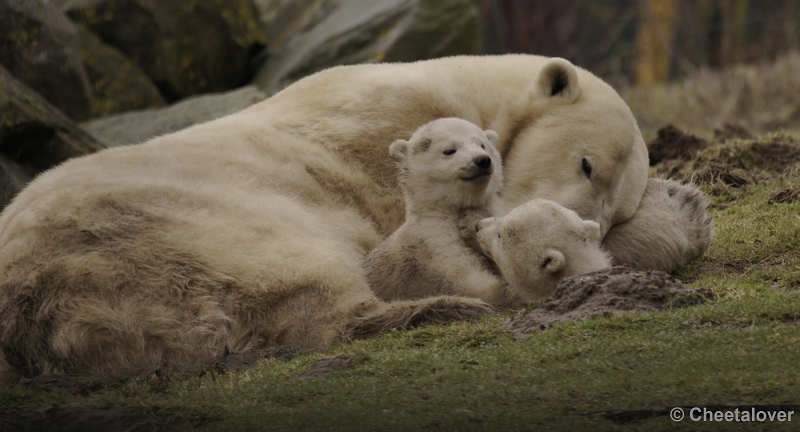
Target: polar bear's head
x=570, y=138
x=539, y=243
x=449, y=163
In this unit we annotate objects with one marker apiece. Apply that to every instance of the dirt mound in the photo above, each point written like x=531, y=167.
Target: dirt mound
x=744, y=163
x=730, y=163
x=673, y=143
x=609, y=291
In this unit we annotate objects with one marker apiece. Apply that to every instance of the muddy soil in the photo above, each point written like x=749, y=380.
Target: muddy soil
x=610, y=291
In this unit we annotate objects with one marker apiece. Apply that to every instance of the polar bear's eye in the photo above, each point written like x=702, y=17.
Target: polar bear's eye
x=483, y=147
x=448, y=152
x=587, y=168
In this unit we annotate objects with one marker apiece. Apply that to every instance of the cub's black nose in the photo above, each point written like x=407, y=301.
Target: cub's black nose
x=483, y=162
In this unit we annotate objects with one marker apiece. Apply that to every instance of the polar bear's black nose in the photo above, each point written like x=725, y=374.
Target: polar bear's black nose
x=483, y=162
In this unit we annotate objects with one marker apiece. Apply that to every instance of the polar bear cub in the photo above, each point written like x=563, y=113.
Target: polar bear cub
x=448, y=167
x=539, y=243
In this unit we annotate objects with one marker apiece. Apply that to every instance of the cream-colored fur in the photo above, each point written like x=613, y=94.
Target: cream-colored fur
x=250, y=229
x=539, y=243
x=449, y=166
x=672, y=216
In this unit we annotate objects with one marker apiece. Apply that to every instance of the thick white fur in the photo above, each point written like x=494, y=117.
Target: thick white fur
x=426, y=256
x=250, y=229
x=539, y=243
x=672, y=216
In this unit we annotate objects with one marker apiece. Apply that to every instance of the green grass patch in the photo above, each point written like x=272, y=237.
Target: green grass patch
x=740, y=349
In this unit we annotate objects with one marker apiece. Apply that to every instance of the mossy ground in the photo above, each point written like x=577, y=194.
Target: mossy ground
x=740, y=349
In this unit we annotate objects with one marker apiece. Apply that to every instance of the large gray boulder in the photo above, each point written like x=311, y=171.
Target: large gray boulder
x=67, y=64
x=34, y=136
x=187, y=47
x=138, y=126
x=326, y=33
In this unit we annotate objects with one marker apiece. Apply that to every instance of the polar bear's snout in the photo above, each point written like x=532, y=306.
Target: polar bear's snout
x=483, y=162
x=481, y=169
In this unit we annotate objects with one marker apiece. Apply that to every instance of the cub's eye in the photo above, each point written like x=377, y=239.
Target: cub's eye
x=483, y=146
x=587, y=168
x=449, y=152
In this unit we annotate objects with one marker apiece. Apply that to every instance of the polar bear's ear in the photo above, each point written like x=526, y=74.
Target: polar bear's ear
x=399, y=150
x=552, y=261
x=592, y=230
x=558, y=78
x=492, y=137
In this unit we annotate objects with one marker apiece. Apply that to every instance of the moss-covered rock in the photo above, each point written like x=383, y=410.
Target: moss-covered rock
x=186, y=47
x=34, y=136
x=69, y=66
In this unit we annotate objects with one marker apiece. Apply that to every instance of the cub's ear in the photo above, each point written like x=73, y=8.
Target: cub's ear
x=592, y=230
x=492, y=136
x=552, y=261
x=558, y=78
x=399, y=150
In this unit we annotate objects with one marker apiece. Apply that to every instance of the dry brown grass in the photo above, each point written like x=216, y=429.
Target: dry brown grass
x=761, y=98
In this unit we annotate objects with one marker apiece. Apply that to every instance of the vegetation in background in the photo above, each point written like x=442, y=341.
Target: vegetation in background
x=630, y=42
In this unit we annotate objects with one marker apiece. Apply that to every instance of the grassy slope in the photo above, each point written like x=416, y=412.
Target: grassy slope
x=740, y=349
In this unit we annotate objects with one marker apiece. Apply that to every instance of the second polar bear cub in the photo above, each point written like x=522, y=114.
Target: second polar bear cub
x=448, y=166
x=541, y=242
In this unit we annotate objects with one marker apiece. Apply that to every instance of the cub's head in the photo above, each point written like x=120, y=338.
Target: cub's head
x=539, y=243
x=449, y=163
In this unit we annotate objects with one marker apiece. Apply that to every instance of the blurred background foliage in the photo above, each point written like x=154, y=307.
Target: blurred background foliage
x=642, y=42
x=81, y=75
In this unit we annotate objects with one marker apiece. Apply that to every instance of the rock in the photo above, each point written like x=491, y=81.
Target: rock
x=34, y=136
x=281, y=19
x=365, y=31
x=138, y=126
x=187, y=47
x=68, y=65
x=609, y=291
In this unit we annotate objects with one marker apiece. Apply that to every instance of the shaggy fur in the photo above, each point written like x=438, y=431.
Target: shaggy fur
x=249, y=230
x=676, y=219
x=539, y=243
x=441, y=177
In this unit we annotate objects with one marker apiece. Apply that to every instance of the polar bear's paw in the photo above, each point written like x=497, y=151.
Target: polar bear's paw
x=671, y=215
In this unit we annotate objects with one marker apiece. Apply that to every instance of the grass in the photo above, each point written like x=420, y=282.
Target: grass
x=761, y=97
x=740, y=349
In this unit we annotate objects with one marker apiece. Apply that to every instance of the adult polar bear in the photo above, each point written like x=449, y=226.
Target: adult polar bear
x=249, y=230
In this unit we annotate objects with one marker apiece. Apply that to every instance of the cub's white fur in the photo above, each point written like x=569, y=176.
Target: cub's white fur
x=539, y=243
x=449, y=166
